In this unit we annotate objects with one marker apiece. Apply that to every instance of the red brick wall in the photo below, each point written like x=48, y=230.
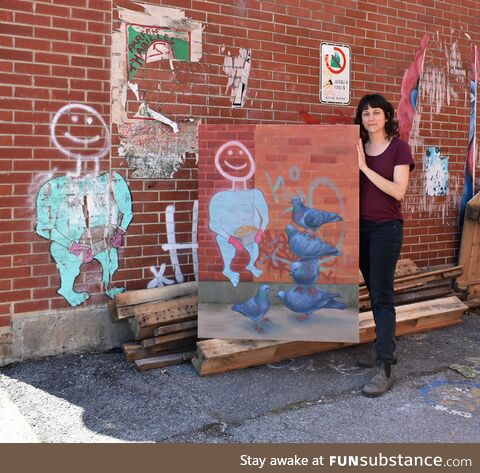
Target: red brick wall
x=54, y=53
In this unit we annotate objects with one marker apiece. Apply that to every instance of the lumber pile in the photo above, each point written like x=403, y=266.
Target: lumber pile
x=418, y=286
x=424, y=300
x=163, y=321
x=219, y=356
x=469, y=257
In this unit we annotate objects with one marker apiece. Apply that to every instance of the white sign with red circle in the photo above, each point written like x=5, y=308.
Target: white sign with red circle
x=335, y=73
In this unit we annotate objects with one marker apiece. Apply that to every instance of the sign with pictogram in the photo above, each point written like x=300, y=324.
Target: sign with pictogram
x=335, y=73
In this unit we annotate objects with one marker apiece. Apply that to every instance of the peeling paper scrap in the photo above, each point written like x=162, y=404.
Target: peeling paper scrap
x=144, y=111
x=134, y=88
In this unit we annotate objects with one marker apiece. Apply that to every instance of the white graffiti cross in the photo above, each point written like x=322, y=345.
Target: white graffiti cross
x=172, y=246
x=159, y=280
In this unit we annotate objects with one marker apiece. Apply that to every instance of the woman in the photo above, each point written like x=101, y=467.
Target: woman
x=385, y=162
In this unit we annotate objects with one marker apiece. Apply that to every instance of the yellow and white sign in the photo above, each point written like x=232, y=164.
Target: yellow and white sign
x=335, y=73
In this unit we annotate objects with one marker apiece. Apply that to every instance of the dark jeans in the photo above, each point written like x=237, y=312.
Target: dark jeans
x=380, y=244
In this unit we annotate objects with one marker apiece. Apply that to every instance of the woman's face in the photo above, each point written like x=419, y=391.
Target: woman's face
x=374, y=119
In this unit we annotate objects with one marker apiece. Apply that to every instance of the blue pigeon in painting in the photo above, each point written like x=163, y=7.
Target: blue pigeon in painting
x=304, y=246
x=311, y=219
x=256, y=307
x=307, y=302
x=305, y=272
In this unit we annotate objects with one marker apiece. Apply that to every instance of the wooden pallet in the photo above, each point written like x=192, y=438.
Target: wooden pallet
x=433, y=290
x=219, y=356
x=130, y=303
x=470, y=248
x=407, y=283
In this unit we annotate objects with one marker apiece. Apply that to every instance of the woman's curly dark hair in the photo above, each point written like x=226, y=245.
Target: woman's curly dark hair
x=377, y=101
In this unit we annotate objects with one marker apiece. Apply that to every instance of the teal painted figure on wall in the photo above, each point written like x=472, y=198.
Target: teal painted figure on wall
x=85, y=219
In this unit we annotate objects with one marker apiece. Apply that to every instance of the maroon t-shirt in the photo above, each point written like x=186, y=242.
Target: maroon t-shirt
x=375, y=205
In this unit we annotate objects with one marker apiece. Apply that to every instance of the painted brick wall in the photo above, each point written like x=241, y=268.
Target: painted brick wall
x=54, y=53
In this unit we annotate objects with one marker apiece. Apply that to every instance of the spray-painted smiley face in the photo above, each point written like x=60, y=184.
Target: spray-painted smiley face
x=234, y=162
x=80, y=132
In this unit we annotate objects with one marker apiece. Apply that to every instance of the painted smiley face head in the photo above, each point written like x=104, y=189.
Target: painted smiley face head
x=80, y=132
x=234, y=162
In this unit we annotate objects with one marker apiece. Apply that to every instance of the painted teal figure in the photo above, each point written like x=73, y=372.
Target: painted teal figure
x=85, y=219
x=239, y=218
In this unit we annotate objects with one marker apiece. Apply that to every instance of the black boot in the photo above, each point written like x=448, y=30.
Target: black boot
x=381, y=382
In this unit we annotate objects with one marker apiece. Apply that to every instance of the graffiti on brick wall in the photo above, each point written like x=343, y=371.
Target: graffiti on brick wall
x=469, y=187
x=434, y=81
x=154, y=151
x=238, y=216
x=173, y=248
x=84, y=215
x=237, y=70
x=146, y=44
x=409, y=91
x=436, y=172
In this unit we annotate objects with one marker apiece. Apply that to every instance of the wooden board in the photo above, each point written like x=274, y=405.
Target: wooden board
x=219, y=356
x=405, y=267
x=124, y=303
x=165, y=312
x=143, y=353
x=422, y=294
x=166, y=339
x=164, y=360
x=408, y=283
x=173, y=328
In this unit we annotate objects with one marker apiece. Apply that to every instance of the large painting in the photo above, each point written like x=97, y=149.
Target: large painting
x=278, y=232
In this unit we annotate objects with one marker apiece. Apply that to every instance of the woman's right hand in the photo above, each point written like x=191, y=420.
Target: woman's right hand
x=362, y=162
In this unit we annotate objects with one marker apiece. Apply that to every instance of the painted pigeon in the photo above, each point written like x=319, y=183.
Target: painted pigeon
x=306, y=303
x=256, y=307
x=305, y=272
x=304, y=246
x=311, y=219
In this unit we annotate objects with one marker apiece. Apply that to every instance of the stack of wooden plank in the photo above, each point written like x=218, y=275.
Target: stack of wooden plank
x=417, y=285
x=424, y=299
x=163, y=322
x=469, y=281
x=219, y=356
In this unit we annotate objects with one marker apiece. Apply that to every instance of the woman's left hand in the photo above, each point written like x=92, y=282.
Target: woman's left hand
x=362, y=163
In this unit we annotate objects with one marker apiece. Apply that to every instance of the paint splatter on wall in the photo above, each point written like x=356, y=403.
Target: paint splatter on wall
x=436, y=172
x=434, y=83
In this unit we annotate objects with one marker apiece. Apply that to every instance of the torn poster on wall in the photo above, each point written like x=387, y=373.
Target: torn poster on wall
x=238, y=70
x=150, y=44
x=154, y=151
x=143, y=40
x=154, y=35
x=436, y=172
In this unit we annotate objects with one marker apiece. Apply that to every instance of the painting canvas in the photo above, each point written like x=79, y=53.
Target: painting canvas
x=278, y=232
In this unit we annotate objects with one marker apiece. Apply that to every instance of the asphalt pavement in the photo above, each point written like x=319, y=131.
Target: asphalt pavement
x=99, y=397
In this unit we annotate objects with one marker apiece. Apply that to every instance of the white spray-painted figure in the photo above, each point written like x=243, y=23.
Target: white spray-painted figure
x=85, y=217
x=238, y=216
